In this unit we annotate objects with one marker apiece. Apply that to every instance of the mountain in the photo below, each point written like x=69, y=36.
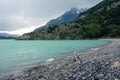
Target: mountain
x=68, y=16
x=100, y=21
x=8, y=36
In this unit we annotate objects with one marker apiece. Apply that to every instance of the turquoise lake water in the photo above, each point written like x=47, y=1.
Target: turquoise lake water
x=16, y=55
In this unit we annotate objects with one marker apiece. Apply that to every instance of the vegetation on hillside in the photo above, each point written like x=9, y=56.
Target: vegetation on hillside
x=101, y=21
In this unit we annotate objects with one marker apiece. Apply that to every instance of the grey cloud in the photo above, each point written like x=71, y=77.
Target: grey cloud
x=17, y=14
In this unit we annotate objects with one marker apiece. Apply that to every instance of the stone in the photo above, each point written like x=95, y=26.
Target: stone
x=116, y=64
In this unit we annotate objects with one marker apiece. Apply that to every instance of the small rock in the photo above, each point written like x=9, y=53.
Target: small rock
x=116, y=79
x=116, y=64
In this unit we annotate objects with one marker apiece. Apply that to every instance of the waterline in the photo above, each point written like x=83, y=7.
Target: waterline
x=22, y=54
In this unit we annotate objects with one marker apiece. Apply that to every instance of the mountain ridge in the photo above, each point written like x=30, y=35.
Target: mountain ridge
x=100, y=21
x=68, y=16
x=8, y=36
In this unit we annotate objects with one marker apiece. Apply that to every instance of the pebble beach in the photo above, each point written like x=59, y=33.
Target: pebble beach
x=102, y=63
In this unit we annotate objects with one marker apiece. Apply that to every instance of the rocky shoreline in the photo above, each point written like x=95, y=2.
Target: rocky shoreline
x=100, y=64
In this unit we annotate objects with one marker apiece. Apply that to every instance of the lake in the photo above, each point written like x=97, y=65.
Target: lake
x=16, y=55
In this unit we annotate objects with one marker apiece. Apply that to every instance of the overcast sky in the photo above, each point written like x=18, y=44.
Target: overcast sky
x=19, y=16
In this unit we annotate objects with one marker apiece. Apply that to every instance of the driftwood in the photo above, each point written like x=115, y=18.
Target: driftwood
x=76, y=58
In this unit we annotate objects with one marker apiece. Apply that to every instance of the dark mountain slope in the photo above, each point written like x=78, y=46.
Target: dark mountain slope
x=102, y=20
x=68, y=16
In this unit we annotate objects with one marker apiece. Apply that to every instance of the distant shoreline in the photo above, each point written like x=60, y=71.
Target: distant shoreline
x=79, y=63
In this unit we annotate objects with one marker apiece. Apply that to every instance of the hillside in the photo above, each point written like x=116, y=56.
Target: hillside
x=102, y=20
x=67, y=17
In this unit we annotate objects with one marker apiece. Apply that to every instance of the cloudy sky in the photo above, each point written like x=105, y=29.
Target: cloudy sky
x=20, y=16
